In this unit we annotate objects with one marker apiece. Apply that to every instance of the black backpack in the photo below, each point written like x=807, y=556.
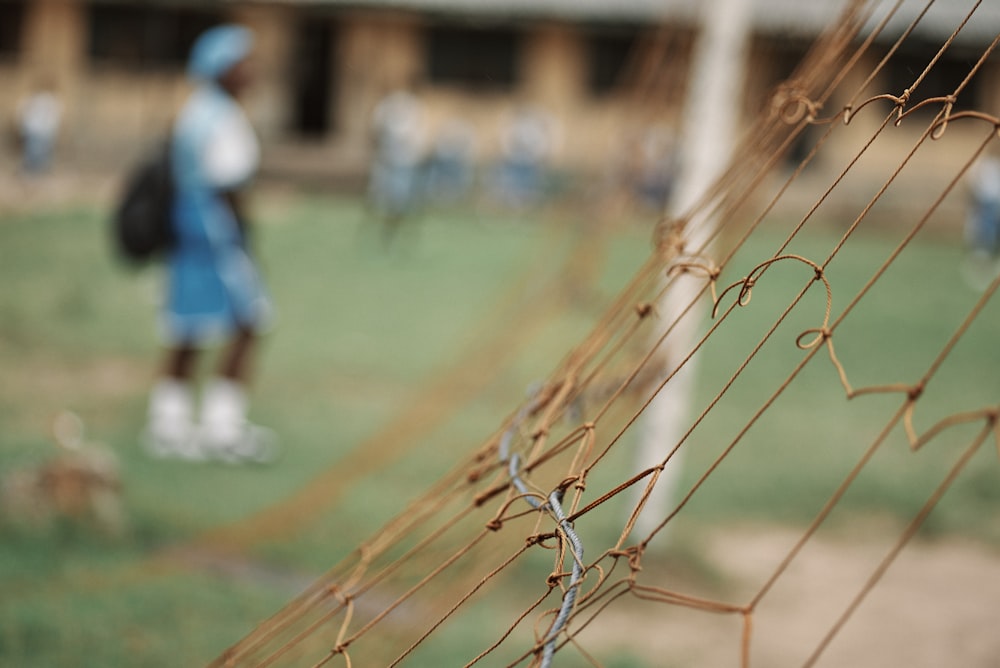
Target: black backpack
x=141, y=224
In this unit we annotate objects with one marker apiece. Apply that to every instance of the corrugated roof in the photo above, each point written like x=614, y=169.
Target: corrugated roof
x=944, y=16
x=570, y=9
x=771, y=16
x=813, y=12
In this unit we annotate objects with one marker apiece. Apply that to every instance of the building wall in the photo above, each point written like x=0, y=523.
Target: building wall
x=107, y=110
x=378, y=53
x=113, y=111
x=270, y=100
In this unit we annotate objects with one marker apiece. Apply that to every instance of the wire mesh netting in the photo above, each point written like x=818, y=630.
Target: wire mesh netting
x=537, y=536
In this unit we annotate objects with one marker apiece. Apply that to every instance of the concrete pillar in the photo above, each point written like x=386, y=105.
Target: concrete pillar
x=554, y=67
x=53, y=56
x=54, y=34
x=270, y=102
x=376, y=55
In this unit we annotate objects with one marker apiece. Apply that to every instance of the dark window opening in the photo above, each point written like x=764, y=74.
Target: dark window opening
x=608, y=58
x=313, y=77
x=11, y=26
x=785, y=55
x=779, y=58
x=947, y=74
x=482, y=58
x=141, y=37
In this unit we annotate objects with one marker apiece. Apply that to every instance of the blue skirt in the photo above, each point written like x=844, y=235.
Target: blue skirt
x=214, y=286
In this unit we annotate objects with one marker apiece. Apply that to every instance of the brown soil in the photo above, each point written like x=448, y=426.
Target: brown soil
x=935, y=606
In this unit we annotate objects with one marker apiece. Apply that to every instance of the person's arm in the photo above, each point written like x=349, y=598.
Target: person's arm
x=231, y=156
x=230, y=161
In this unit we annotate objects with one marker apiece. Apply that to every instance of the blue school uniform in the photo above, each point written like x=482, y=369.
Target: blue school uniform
x=214, y=284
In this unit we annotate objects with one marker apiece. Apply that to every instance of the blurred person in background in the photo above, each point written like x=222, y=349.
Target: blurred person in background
x=982, y=223
x=655, y=169
x=214, y=286
x=449, y=169
x=526, y=144
x=398, y=133
x=38, y=117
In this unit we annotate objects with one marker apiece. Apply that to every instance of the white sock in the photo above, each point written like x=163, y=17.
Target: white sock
x=223, y=412
x=171, y=413
x=225, y=433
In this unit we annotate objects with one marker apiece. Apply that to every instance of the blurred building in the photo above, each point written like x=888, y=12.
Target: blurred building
x=606, y=71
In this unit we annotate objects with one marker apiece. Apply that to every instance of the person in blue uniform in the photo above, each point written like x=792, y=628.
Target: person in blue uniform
x=394, y=188
x=215, y=290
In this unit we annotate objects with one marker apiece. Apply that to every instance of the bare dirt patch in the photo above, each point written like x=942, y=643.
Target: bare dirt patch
x=936, y=606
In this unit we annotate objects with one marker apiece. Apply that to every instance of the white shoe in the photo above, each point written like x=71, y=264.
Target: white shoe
x=169, y=430
x=252, y=444
x=161, y=445
x=225, y=434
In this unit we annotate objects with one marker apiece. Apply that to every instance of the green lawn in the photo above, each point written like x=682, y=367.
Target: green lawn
x=364, y=333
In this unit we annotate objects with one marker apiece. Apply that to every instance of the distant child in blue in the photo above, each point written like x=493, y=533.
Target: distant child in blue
x=982, y=224
x=526, y=145
x=449, y=169
x=982, y=228
x=214, y=286
x=394, y=187
x=38, y=125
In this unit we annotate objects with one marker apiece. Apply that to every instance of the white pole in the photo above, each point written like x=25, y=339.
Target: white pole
x=709, y=133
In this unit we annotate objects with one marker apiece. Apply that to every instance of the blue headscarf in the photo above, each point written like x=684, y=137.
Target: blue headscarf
x=216, y=50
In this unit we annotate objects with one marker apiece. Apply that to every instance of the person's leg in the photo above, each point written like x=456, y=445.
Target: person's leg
x=225, y=430
x=235, y=362
x=180, y=363
x=224, y=403
x=170, y=429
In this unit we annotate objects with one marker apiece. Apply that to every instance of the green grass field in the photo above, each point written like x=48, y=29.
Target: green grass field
x=362, y=333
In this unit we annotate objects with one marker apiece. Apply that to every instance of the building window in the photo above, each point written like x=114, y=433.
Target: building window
x=608, y=57
x=313, y=76
x=11, y=23
x=482, y=58
x=777, y=58
x=951, y=69
x=143, y=36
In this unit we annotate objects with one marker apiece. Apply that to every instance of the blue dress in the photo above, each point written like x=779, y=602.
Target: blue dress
x=214, y=286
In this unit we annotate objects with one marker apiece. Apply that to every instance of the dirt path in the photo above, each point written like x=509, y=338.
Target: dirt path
x=938, y=606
